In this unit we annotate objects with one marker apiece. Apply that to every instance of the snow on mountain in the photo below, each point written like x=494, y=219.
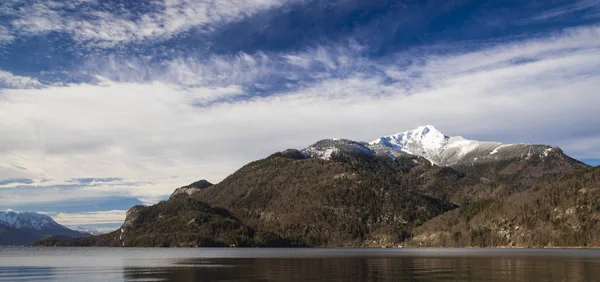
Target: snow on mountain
x=325, y=149
x=431, y=144
x=24, y=228
x=27, y=220
x=417, y=142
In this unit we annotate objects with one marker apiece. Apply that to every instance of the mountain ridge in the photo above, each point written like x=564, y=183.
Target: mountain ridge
x=23, y=228
x=439, y=149
x=338, y=193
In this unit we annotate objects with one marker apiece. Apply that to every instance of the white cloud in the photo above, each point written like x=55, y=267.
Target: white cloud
x=266, y=72
x=152, y=133
x=167, y=19
x=102, y=221
x=9, y=80
x=592, y=7
x=217, y=71
x=5, y=35
x=89, y=218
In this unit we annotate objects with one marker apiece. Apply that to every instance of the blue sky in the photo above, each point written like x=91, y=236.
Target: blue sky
x=108, y=104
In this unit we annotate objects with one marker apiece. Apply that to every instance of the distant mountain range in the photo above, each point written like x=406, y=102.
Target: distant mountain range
x=87, y=230
x=27, y=227
x=415, y=188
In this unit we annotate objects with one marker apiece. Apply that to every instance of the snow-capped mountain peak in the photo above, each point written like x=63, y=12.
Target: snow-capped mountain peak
x=429, y=143
x=24, y=228
x=417, y=141
x=26, y=220
x=440, y=149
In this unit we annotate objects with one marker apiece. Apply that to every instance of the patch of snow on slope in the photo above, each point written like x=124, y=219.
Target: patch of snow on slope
x=325, y=149
x=464, y=146
x=327, y=153
x=495, y=151
x=321, y=153
x=391, y=155
x=546, y=152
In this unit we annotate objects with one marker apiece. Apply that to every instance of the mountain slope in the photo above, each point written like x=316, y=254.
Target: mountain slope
x=26, y=228
x=352, y=198
x=342, y=193
x=289, y=199
x=563, y=212
x=192, y=188
x=500, y=169
x=181, y=221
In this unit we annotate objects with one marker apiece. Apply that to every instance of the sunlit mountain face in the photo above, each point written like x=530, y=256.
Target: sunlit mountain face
x=109, y=104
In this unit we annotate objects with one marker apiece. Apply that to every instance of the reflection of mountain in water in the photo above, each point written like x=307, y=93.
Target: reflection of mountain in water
x=295, y=265
x=493, y=268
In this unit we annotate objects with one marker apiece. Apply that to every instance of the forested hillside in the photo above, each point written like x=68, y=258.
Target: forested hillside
x=564, y=212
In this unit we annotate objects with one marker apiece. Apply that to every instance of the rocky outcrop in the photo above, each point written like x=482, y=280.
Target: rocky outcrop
x=192, y=188
x=130, y=217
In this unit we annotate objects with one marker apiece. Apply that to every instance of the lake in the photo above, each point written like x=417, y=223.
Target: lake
x=213, y=264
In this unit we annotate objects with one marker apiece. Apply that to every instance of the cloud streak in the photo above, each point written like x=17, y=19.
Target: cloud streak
x=91, y=22
x=91, y=218
x=589, y=8
x=104, y=222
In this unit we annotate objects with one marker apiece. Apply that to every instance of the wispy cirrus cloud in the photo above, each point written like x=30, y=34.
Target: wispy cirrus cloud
x=5, y=35
x=588, y=9
x=92, y=22
x=267, y=70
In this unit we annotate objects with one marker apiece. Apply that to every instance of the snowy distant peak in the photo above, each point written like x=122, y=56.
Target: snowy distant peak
x=24, y=228
x=27, y=220
x=422, y=138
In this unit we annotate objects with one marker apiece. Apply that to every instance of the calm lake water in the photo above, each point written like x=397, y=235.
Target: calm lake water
x=123, y=264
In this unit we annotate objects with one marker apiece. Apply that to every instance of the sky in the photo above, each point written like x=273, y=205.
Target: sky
x=107, y=104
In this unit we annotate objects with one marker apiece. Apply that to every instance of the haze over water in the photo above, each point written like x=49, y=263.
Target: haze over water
x=123, y=264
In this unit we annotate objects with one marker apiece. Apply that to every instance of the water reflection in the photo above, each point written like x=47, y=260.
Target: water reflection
x=123, y=264
x=374, y=269
x=30, y=273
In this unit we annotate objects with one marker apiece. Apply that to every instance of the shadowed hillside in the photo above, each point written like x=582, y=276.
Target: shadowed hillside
x=563, y=212
x=352, y=200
